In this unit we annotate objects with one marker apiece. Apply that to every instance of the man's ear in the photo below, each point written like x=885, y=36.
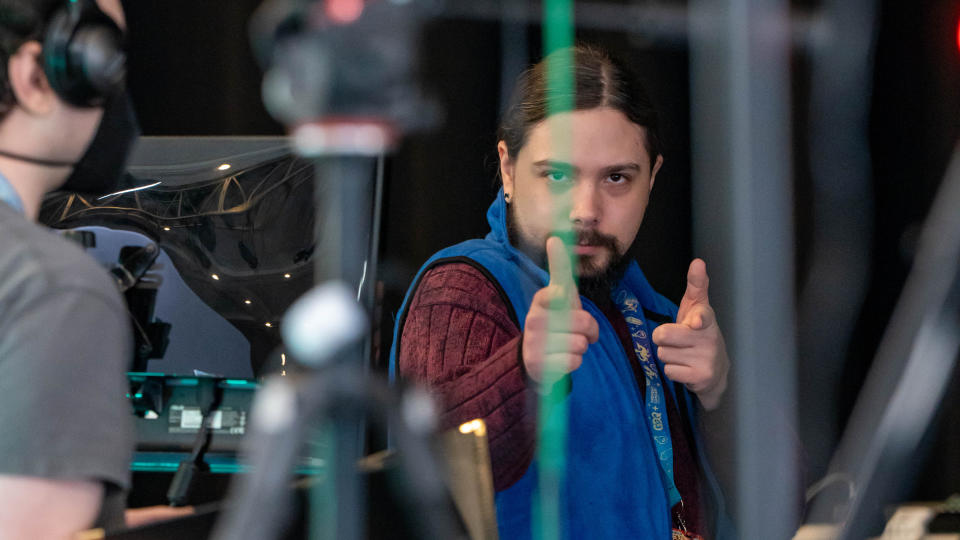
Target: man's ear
x=656, y=168
x=507, y=167
x=29, y=84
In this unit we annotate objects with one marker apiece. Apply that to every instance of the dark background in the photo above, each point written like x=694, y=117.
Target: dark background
x=192, y=73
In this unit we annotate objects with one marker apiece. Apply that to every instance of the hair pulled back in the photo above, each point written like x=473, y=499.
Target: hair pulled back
x=598, y=81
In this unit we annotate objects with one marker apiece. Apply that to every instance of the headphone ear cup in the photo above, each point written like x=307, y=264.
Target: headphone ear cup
x=83, y=54
x=99, y=50
x=55, y=50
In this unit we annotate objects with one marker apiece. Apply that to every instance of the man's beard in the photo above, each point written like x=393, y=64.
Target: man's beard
x=595, y=282
x=598, y=286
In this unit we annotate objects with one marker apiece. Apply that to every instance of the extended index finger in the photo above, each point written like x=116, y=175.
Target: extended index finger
x=558, y=263
x=697, y=283
x=561, y=271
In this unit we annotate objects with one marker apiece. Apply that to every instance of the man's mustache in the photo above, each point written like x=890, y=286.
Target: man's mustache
x=588, y=237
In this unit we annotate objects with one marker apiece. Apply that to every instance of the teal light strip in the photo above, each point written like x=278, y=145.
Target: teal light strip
x=163, y=462
x=240, y=383
x=171, y=467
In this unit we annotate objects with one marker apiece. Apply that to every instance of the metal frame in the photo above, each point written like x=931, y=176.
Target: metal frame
x=742, y=211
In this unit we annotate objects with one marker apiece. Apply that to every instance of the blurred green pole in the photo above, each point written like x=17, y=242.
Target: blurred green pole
x=323, y=493
x=558, y=33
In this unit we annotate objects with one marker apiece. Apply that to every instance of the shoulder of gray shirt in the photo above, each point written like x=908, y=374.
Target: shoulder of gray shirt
x=35, y=260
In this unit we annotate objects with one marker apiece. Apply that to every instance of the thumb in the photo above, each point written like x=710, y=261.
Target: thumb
x=697, y=284
x=561, y=269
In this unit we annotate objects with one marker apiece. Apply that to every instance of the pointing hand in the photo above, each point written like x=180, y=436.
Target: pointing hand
x=692, y=349
x=557, y=330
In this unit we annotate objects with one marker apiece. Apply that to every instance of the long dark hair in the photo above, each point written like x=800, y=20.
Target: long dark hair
x=599, y=80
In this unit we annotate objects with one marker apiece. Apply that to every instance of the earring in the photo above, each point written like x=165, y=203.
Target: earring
x=506, y=198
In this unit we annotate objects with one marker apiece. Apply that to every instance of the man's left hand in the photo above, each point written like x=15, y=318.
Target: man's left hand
x=692, y=349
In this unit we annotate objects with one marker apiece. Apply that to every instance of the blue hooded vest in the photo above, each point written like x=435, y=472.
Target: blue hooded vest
x=613, y=486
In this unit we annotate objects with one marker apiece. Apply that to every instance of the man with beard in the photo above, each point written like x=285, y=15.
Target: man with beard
x=479, y=323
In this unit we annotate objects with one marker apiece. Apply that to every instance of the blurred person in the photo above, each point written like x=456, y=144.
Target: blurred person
x=65, y=339
x=477, y=325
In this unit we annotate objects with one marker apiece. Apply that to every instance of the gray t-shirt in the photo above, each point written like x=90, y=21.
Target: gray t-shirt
x=65, y=344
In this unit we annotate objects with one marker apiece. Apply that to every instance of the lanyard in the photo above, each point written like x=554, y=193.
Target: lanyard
x=656, y=405
x=9, y=195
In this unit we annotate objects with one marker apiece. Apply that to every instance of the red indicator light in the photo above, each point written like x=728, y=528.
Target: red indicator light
x=958, y=34
x=344, y=11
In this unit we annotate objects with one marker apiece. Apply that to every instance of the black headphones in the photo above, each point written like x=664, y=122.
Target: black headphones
x=83, y=54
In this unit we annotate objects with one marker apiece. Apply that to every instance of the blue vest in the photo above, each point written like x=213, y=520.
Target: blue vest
x=613, y=486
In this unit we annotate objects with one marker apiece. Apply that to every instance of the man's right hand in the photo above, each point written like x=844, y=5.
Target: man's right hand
x=557, y=330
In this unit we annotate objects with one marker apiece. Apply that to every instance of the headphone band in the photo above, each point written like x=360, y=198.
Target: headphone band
x=36, y=161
